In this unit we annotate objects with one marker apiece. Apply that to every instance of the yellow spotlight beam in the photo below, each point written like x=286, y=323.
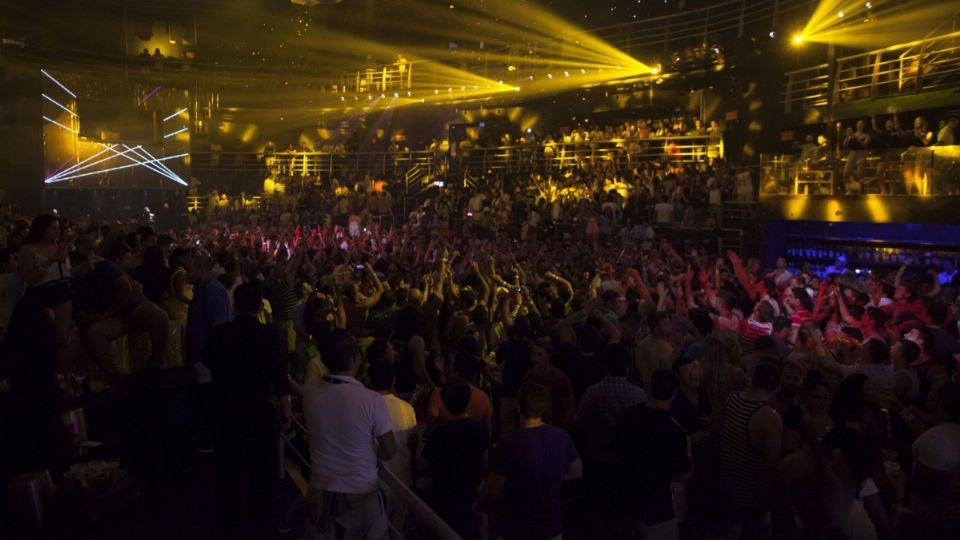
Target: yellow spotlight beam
x=537, y=36
x=551, y=53
x=869, y=29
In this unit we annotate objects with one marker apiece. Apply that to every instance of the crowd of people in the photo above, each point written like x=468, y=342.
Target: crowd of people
x=901, y=166
x=626, y=144
x=526, y=379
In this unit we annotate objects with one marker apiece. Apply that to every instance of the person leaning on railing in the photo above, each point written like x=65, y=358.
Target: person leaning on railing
x=344, y=499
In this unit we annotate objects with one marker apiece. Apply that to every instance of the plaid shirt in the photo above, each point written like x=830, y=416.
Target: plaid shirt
x=599, y=408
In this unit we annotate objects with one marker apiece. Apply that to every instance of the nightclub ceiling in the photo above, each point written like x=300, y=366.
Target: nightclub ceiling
x=284, y=34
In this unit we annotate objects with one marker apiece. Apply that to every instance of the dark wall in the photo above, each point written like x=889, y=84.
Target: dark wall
x=20, y=142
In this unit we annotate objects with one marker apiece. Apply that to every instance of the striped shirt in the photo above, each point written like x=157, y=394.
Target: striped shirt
x=750, y=330
x=743, y=473
x=800, y=318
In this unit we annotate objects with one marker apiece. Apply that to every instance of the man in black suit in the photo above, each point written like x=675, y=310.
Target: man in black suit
x=249, y=372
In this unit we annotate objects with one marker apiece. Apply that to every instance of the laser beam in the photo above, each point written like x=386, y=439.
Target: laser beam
x=148, y=96
x=181, y=130
x=58, y=83
x=81, y=167
x=57, y=103
x=183, y=110
x=61, y=170
x=64, y=178
x=161, y=165
x=161, y=168
x=149, y=166
x=61, y=125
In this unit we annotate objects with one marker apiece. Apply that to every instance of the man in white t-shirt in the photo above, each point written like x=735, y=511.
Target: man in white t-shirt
x=382, y=374
x=664, y=211
x=349, y=428
x=935, y=482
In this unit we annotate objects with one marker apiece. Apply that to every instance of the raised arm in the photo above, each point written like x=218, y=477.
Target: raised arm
x=484, y=299
x=743, y=276
x=563, y=283
x=378, y=288
x=844, y=312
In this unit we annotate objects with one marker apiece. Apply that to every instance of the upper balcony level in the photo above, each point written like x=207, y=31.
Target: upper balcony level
x=877, y=81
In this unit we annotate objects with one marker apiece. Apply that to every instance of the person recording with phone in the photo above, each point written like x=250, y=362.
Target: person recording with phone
x=356, y=304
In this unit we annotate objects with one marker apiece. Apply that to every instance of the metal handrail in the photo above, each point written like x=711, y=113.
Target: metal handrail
x=919, y=66
x=891, y=75
x=401, y=165
x=920, y=172
x=437, y=527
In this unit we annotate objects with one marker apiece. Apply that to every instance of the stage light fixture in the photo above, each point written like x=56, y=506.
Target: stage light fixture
x=797, y=39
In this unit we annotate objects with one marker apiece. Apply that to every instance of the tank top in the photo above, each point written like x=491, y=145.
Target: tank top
x=743, y=472
x=53, y=272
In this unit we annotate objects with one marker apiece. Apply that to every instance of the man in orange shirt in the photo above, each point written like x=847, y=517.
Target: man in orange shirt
x=479, y=407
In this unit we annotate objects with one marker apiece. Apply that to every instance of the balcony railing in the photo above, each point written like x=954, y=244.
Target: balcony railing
x=807, y=88
x=424, y=517
x=912, y=172
x=920, y=66
x=423, y=166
